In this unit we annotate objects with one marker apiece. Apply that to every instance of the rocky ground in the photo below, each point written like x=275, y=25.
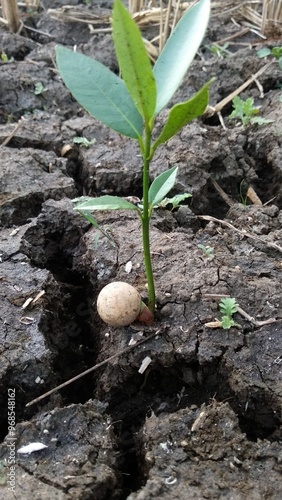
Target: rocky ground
x=204, y=420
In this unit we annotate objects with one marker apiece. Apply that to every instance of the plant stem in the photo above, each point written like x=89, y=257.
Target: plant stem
x=145, y=219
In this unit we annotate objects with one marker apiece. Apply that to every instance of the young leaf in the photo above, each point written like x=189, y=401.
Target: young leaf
x=134, y=61
x=175, y=200
x=263, y=52
x=228, y=306
x=179, y=52
x=276, y=52
x=183, y=113
x=259, y=120
x=100, y=92
x=249, y=108
x=89, y=217
x=161, y=186
x=227, y=322
x=106, y=203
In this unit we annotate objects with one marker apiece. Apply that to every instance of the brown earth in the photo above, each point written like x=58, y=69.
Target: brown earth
x=204, y=420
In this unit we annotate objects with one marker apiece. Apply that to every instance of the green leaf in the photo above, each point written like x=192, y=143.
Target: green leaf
x=259, y=120
x=263, y=52
x=179, y=51
x=106, y=203
x=228, y=306
x=238, y=111
x=183, y=113
x=276, y=52
x=249, y=108
x=38, y=88
x=227, y=322
x=83, y=141
x=134, y=62
x=243, y=109
x=100, y=92
x=161, y=186
x=208, y=251
x=89, y=217
x=175, y=200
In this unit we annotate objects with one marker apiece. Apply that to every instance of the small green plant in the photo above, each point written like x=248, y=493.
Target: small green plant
x=246, y=111
x=38, y=88
x=83, y=141
x=275, y=52
x=174, y=201
x=219, y=51
x=228, y=307
x=130, y=104
x=4, y=57
x=207, y=250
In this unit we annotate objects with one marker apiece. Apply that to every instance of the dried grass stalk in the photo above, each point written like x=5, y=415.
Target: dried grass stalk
x=10, y=14
x=265, y=15
x=32, y=4
x=271, y=15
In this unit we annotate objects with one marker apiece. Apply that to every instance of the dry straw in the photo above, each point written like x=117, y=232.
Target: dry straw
x=157, y=18
x=264, y=15
x=10, y=15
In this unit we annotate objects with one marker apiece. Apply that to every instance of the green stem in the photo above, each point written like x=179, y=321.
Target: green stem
x=145, y=219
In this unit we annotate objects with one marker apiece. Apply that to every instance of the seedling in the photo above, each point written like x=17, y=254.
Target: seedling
x=208, y=251
x=4, y=58
x=275, y=52
x=228, y=307
x=219, y=51
x=38, y=88
x=83, y=141
x=245, y=111
x=130, y=104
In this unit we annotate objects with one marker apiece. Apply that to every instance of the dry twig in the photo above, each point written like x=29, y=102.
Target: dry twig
x=243, y=233
x=17, y=127
x=211, y=110
x=92, y=369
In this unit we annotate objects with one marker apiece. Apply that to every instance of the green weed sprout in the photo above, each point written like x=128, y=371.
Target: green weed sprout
x=275, y=52
x=83, y=141
x=219, y=51
x=228, y=307
x=246, y=112
x=129, y=105
x=38, y=88
x=4, y=58
x=207, y=250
